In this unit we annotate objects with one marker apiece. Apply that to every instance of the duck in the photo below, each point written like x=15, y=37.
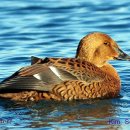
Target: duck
x=88, y=75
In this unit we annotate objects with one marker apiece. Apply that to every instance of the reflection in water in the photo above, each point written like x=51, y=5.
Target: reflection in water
x=53, y=114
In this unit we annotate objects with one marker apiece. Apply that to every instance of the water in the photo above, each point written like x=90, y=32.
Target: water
x=53, y=28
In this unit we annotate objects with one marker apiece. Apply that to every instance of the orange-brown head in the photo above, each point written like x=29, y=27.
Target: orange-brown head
x=98, y=48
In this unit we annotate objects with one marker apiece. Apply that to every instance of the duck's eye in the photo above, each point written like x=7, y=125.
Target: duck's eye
x=106, y=43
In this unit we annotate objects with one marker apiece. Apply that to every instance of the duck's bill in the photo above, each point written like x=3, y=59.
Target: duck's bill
x=122, y=56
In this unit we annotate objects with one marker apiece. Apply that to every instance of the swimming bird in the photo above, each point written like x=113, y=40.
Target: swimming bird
x=87, y=76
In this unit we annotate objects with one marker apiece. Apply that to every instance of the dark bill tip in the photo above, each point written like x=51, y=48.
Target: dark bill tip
x=122, y=56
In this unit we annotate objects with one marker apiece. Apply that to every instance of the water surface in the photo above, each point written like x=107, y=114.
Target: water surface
x=53, y=28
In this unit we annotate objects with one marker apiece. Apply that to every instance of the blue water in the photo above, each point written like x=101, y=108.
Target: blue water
x=53, y=28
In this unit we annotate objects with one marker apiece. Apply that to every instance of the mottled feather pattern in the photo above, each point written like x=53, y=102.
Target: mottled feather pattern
x=80, y=68
x=81, y=90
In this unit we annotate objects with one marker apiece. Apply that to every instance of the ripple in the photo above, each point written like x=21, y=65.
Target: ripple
x=53, y=29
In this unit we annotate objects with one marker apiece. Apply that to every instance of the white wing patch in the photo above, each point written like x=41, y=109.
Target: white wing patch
x=37, y=76
x=55, y=71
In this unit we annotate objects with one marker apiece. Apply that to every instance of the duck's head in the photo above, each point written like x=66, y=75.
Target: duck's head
x=98, y=48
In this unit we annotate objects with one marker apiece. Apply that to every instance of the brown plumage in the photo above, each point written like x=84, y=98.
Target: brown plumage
x=88, y=76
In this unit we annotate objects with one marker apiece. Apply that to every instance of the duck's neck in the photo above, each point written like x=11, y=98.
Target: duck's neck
x=109, y=69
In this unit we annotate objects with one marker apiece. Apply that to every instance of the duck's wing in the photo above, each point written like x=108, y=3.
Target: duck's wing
x=51, y=71
x=36, y=77
x=83, y=70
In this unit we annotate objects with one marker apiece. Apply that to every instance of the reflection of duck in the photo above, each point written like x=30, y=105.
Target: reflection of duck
x=84, y=77
x=82, y=114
